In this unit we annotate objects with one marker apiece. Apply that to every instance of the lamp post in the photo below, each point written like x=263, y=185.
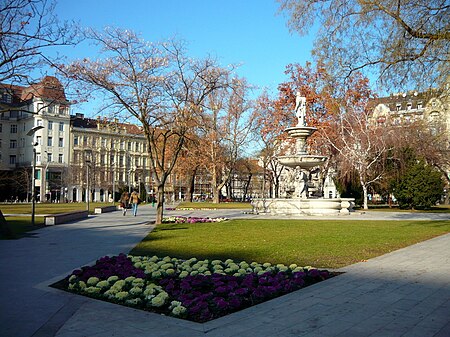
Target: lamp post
x=114, y=183
x=33, y=173
x=87, y=161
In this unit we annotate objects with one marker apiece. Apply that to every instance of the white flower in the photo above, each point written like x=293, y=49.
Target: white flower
x=183, y=274
x=72, y=279
x=135, y=291
x=121, y=295
x=158, y=301
x=92, y=281
x=138, y=282
x=130, y=279
x=102, y=284
x=112, y=279
x=92, y=290
x=179, y=310
x=174, y=304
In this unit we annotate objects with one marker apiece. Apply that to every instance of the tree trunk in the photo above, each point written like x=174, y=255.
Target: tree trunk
x=216, y=195
x=364, y=187
x=247, y=184
x=191, y=187
x=160, y=204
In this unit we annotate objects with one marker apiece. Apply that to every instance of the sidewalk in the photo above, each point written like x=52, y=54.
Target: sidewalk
x=406, y=292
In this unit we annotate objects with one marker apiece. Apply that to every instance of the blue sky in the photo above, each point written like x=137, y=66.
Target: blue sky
x=246, y=32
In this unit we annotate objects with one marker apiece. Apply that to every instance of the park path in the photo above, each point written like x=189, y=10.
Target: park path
x=406, y=292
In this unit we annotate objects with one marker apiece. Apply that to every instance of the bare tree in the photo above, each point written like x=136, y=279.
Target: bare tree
x=155, y=84
x=359, y=145
x=404, y=42
x=28, y=31
x=226, y=128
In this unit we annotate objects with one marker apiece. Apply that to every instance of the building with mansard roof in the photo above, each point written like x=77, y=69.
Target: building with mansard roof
x=109, y=156
x=72, y=152
x=23, y=108
x=432, y=106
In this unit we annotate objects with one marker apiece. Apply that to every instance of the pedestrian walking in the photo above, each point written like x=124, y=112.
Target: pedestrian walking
x=135, y=201
x=124, y=200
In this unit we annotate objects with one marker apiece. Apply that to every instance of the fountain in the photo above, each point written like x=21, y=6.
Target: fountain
x=300, y=164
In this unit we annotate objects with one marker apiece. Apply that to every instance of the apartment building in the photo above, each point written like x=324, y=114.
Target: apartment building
x=72, y=154
x=22, y=109
x=432, y=106
x=107, y=156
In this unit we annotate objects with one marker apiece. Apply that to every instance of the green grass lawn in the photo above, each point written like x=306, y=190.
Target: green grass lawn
x=222, y=205
x=386, y=208
x=318, y=243
x=22, y=225
x=47, y=208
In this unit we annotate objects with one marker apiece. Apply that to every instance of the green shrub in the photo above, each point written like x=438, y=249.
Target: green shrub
x=420, y=187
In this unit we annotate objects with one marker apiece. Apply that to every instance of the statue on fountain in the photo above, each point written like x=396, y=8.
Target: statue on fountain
x=300, y=109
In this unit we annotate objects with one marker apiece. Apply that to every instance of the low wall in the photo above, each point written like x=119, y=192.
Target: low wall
x=105, y=209
x=56, y=219
x=320, y=206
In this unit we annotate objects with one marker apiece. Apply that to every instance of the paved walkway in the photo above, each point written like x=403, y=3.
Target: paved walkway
x=404, y=293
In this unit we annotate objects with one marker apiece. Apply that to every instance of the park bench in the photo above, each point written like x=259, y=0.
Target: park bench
x=56, y=219
x=105, y=209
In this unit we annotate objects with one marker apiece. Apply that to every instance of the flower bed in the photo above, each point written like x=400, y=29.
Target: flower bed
x=183, y=219
x=191, y=289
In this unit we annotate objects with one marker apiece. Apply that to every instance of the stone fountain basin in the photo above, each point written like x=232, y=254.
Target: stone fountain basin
x=301, y=131
x=306, y=161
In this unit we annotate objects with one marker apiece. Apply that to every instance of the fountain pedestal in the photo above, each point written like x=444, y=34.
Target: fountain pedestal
x=300, y=163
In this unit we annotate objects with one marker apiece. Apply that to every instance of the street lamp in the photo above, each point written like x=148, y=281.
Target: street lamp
x=114, y=183
x=87, y=160
x=33, y=172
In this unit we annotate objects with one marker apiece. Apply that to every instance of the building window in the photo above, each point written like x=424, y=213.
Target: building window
x=408, y=106
x=60, y=158
x=121, y=161
x=75, y=140
x=13, y=128
x=49, y=157
x=1, y=127
x=62, y=110
x=61, y=126
x=419, y=105
x=38, y=157
x=136, y=147
x=13, y=144
x=39, y=140
x=61, y=142
x=12, y=160
x=6, y=97
x=112, y=143
x=50, y=125
x=129, y=146
x=122, y=145
x=50, y=141
x=39, y=122
x=103, y=142
x=85, y=140
x=398, y=107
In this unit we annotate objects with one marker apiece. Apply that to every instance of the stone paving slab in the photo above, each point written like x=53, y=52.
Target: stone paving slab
x=406, y=292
